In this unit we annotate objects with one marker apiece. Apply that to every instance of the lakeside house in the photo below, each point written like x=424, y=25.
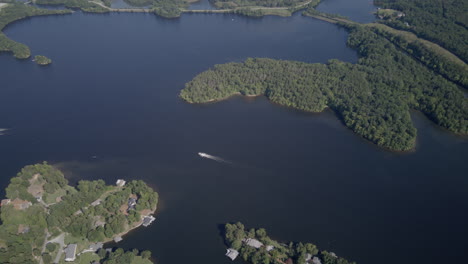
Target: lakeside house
x=70, y=252
x=132, y=201
x=232, y=253
x=316, y=260
x=147, y=220
x=117, y=239
x=269, y=248
x=20, y=204
x=120, y=182
x=5, y=202
x=253, y=242
x=93, y=247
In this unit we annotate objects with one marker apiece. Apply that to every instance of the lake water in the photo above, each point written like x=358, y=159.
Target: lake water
x=108, y=108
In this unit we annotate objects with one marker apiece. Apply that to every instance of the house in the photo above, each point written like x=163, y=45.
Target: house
x=308, y=257
x=23, y=229
x=131, y=203
x=70, y=252
x=120, y=182
x=147, y=220
x=93, y=247
x=117, y=239
x=20, y=204
x=253, y=242
x=97, y=202
x=99, y=223
x=5, y=202
x=232, y=253
x=269, y=248
x=316, y=260
x=78, y=212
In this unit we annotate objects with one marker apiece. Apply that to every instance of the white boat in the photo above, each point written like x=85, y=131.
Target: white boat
x=204, y=155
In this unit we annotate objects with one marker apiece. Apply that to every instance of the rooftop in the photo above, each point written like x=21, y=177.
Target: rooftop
x=316, y=260
x=70, y=252
x=253, y=242
x=232, y=253
x=120, y=182
x=148, y=220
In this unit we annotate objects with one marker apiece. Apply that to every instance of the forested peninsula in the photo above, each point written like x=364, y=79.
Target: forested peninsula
x=45, y=220
x=254, y=246
x=15, y=11
x=372, y=97
x=397, y=71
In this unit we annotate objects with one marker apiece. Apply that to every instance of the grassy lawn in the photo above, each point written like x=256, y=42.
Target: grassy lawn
x=82, y=243
x=87, y=258
x=51, y=198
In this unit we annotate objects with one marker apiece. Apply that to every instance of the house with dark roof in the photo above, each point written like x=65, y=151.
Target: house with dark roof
x=147, y=220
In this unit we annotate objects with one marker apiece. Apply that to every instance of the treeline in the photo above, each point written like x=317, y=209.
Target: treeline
x=139, y=3
x=266, y=3
x=443, y=22
x=372, y=97
x=236, y=234
x=119, y=256
x=454, y=71
x=84, y=5
x=169, y=8
x=14, y=12
x=51, y=178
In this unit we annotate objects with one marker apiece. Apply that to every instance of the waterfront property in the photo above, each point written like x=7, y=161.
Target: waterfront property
x=94, y=247
x=120, y=183
x=253, y=242
x=70, y=252
x=147, y=220
x=232, y=253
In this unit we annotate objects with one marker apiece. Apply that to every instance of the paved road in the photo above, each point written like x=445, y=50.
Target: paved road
x=61, y=241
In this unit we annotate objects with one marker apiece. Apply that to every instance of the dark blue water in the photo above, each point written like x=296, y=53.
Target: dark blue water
x=123, y=4
x=358, y=10
x=111, y=92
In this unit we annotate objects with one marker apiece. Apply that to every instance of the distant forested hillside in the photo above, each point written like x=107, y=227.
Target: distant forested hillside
x=266, y=3
x=444, y=22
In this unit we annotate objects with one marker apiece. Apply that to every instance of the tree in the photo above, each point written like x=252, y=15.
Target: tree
x=51, y=247
x=146, y=254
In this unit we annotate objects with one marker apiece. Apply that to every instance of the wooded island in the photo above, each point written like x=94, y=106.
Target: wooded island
x=256, y=247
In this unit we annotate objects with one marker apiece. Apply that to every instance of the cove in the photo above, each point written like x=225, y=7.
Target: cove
x=108, y=108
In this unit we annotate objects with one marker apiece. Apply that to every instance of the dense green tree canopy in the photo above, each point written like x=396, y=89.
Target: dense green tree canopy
x=372, y=97
x=444, y=22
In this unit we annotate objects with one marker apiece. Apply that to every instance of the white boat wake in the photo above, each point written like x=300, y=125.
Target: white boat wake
x=211, y=157
x=2, y=130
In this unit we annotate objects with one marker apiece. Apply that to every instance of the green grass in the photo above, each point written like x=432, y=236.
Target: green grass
x=87, y=258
